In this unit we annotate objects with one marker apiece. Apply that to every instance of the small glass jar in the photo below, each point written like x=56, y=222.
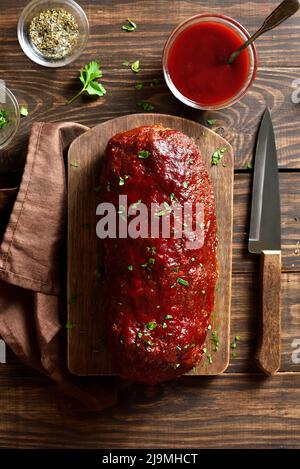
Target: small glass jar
x=33, y=9
x=9, y=104
x=231, y=24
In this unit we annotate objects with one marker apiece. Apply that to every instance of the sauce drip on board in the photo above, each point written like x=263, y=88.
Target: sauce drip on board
x=198, y=66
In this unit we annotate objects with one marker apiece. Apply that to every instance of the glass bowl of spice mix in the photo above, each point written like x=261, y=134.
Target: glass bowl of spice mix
x=9, y=116
x=53, y=33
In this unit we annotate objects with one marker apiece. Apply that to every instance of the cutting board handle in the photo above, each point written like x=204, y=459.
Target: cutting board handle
x=268, y=350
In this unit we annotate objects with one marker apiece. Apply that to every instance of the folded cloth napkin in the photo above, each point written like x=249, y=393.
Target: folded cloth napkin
x=32, y=264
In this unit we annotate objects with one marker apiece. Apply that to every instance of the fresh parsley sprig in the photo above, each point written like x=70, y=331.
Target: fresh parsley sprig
x=88, y=76
x=129, y=26
x=3, y=118
x=218, y=155
x=24, y=111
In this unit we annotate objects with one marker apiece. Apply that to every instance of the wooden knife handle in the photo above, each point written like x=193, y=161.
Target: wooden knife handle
x=268, y=350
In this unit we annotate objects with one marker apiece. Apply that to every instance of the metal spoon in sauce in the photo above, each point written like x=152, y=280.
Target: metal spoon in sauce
x=286, y=9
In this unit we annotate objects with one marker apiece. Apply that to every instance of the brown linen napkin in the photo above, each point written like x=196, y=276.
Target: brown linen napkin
x=32, y=263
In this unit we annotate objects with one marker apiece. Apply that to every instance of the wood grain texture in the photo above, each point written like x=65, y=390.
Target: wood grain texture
x=244, y=322
x=236, y=410
x=268, y=351
x=45, y=91
x=237, y=124
x=87, y=346
x=243, y=261
x=227, y=411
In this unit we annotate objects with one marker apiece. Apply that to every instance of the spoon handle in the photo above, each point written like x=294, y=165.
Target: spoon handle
x=286, y=9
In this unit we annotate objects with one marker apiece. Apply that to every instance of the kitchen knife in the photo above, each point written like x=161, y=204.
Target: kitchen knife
x=265, y=239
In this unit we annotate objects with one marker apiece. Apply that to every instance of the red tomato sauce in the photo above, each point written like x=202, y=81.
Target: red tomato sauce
x=198, y=66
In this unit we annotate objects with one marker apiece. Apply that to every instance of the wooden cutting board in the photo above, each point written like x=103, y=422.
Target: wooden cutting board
x=87, y=349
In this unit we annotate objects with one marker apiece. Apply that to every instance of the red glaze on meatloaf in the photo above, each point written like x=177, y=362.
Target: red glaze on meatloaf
x=156, y=325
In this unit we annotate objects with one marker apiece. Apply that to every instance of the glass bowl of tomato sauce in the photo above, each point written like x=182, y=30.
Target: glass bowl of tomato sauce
x=195, y=62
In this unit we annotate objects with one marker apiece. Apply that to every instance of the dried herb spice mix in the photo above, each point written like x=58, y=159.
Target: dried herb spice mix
x=54, y=33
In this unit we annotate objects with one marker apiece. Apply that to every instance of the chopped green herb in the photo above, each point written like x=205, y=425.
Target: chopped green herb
x=161, y=213
x=150, y=262
x=97, y=274
x=185, y=184
x=183, y=282
x=71, y=325
x=156, y=81
x=169, y=316
x=208, y=355
x=88, y=76
x=74, y=164
x=130, y=267
x=234, y=345
x=136, y=204
x=164, y=325
x=24, y=111
x=209, y=358
x=135, y=66
x=191, y=162
x=175, y=269
x=126, y=63
x=250, y=165
x=122, y=180
x=140, y=335
x=211, y=121
x=3, y=118
x=150, y=343
x=167, y=207
x=151, y=249
x=139, y=86
x=147, y=107
x=122, y=212
x=215, y=340
x=218, y=155
x=72, y=300
x=129, y=26
x=144, y=154
x=172, y=196
x=151, y=326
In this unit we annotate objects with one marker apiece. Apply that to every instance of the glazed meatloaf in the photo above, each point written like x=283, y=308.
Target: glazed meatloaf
x=160, y=292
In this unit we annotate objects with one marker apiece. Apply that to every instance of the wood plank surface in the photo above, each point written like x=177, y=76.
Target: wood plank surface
x=237, y=124
x=243, y=261
x=232, y=410
x=226, y=411
x=87, y=347
x=45, y=91
x=244, y=320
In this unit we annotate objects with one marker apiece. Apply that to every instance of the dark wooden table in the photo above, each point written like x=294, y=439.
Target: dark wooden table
x=240, y=408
